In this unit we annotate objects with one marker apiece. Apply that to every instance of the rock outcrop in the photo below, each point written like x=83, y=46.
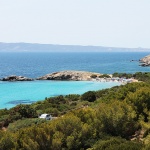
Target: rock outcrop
x=16, y=78
x=70, y=75
x=145, y=61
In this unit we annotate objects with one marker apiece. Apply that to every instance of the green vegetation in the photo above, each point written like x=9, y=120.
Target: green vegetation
x=15, y=126
x=122, y=75
x=115, y=118
x=89, y=96
x=104, y=76
x=116, y=143
x=94, y=76
x=141, y=76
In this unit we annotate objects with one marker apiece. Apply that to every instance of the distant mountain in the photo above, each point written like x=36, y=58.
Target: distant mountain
x=34, y=47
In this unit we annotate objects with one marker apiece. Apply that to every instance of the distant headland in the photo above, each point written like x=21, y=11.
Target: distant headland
x=145, y=61
x=35, y=47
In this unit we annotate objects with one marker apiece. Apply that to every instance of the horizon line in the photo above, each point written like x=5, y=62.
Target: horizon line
x=74, y=45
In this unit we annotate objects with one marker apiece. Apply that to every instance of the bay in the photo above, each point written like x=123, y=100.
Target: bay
x=13, y=93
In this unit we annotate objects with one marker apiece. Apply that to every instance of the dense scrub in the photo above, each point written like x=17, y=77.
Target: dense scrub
x=141, y=76
x=115, y=118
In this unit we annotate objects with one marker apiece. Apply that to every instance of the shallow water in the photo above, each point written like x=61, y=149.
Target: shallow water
x=13, y=93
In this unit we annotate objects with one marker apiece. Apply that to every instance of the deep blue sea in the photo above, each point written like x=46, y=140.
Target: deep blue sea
x=37, y=64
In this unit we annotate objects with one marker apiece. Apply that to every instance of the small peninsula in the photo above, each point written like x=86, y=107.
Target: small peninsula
x=70, y=75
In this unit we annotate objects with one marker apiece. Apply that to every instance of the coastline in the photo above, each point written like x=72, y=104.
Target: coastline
x=30, y=91
x=73, y=76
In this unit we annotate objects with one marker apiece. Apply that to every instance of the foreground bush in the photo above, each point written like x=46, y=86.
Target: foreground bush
x=89, y=96
x=116, y=144
x=140, y=101
x=117, y=119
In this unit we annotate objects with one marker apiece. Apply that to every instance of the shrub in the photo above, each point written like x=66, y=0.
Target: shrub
x=72, y=97
x=93, y=76
x=140, y=101
x=89, y=96
x=104, y=76
x=116, y=143
x=24, y=123
x=116, y=119
x=122, y=75
x=23, y=111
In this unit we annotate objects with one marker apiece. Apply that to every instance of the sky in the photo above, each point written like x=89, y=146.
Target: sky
x=113, y=23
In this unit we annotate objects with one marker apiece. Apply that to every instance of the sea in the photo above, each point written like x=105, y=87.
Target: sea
x=34, y=65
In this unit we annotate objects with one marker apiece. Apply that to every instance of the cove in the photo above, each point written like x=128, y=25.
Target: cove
x=27, y=92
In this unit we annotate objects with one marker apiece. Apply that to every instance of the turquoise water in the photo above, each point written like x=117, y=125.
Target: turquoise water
x=13, y=93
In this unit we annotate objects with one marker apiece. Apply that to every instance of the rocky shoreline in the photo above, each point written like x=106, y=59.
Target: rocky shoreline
x=70, y=75
x=145, y=61
x=62, y=75
x=16, y=78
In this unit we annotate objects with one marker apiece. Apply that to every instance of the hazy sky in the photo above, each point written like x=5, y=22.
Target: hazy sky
x=117, y=23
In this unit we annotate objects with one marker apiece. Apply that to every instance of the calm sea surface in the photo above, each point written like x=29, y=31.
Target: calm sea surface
x=37, y=64
x=13, y=93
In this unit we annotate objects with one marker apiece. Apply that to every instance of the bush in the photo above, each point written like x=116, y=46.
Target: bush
x=94, y=76
x=140, y=101
x=145, y=76
x=116, y=119
x=89, y=96
x=57, y=100
x=116, y=143
x=23, y=111
x=24, y=123
x=122, y=75
x=104, y=76
x=72, y=97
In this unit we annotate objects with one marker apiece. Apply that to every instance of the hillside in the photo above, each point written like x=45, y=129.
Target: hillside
x=108, y=119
